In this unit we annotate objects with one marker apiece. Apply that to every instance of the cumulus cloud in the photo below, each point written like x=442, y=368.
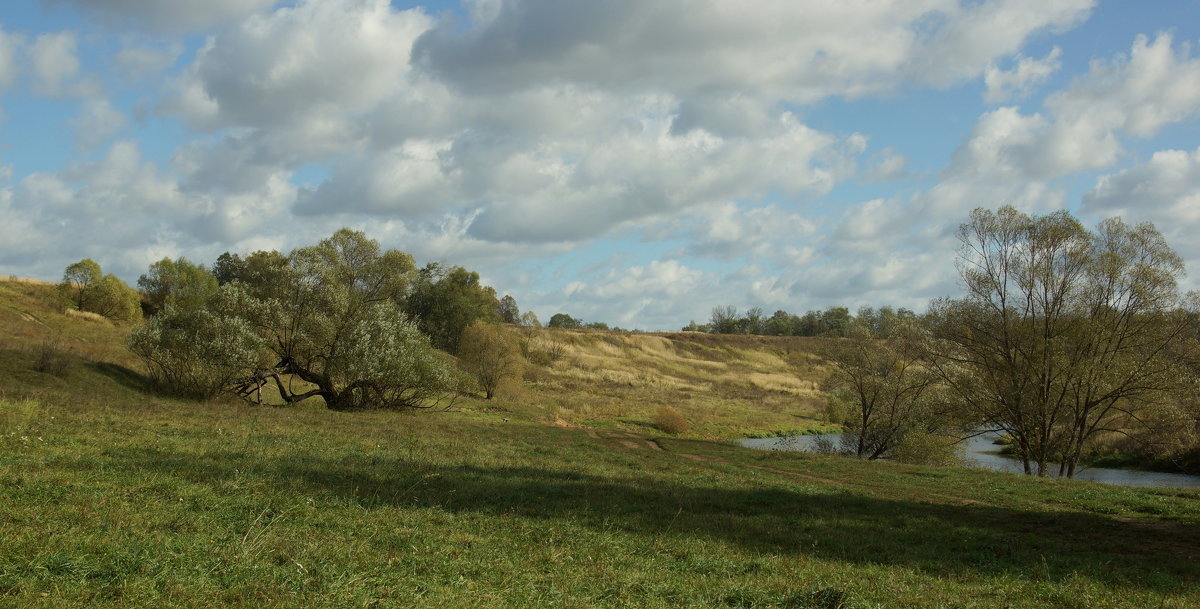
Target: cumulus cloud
x=54, y=62
x=145, y=62
x=792, y=50
x=169, y=15
x=648, y=293
x=889, y=165
x=1155, y=85
x=97, y=122
x=121, y=208
x=318, y=59
x=1164, y=190
x=728, y=231
x=1003, y=85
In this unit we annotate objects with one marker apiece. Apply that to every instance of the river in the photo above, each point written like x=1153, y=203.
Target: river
x=982, y=452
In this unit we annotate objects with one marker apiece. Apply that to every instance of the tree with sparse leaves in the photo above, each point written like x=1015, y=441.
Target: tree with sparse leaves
x=508, y=311
x=1064, y=333
x=490, y=353
x=885, y=393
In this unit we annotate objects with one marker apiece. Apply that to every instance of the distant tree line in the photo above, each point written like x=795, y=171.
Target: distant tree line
x=834, y=321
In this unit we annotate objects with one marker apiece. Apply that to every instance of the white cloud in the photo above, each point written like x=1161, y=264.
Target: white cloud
x=171, y=15
x=799, y=51
x=727, y=232
x=97, y=122
x=1155, y=85
x=1164, y=190
x=116, y=208
x=1139, y=94
x=145, y=62
x=890, y=165
x=54, y=62
x=408, y=180
x=319, y=59
x=650, y=293
x=972, y=35
x=1003, y=85
x=10, y=45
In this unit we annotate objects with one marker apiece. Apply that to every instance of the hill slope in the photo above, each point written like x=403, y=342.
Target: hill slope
x=113, y=496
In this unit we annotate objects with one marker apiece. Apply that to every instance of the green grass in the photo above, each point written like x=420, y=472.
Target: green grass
x=112, y=496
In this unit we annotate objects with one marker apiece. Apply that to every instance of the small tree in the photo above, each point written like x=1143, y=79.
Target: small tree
x=445, y=302
x=508, y=311
x=562, y=320
x=724, y=320
x=200, y=352
x=178, y=282
x=884, y=393
x=492, y=354
x=86, y=287
x=77, y=278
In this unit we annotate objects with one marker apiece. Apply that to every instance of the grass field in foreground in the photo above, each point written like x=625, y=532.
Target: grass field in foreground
x=121, y=500
x=112, y=496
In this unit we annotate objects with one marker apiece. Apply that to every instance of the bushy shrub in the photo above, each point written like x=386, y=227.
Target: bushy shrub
x=199, y=352
x=493, y=355
x=670, y=421
x=50, y=357
x=927, y=449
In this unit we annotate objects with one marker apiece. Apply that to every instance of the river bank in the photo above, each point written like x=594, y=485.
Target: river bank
x=982, y=452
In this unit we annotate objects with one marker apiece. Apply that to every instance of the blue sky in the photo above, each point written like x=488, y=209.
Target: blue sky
x=631, y=162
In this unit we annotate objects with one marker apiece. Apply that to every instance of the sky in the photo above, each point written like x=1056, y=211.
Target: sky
x=632, y=162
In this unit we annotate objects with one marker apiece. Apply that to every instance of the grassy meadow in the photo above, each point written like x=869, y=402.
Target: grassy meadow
x=560, y=494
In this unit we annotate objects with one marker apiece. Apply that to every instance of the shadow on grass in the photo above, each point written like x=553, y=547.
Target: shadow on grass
x=829, y=523
x=126, y=377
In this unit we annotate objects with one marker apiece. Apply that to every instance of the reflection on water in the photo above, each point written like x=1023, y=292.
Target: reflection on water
x=981, y=452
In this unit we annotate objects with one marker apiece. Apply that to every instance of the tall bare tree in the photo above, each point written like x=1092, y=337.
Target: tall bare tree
x=1063, y=333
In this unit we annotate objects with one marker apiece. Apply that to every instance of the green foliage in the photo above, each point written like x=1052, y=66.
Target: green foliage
x=204, y=350
x=77, y=278
x=508, y=311
x=490, y=353
x=1063, y=333
x=328, y=315
x=562, y=320
x=445, y=302
x=923, y=448
x=529, y=319
x=883, y=393
x=86, y=288
x=179, y=282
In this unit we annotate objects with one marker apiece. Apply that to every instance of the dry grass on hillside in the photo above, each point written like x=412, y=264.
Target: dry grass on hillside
x=30, y=318
x=724, y=385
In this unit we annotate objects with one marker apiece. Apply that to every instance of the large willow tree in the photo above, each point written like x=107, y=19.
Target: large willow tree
x=328, y=315
x=1063, y=333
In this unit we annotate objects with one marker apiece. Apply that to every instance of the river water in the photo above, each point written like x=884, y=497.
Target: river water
x=982, y=452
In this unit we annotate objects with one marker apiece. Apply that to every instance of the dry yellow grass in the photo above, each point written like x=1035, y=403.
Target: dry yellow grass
x=87, y=316
x=724, y=386
x=28, y=280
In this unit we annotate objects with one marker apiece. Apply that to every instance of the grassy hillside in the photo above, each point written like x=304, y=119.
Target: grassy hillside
x=725, y=386
x=111, y=496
